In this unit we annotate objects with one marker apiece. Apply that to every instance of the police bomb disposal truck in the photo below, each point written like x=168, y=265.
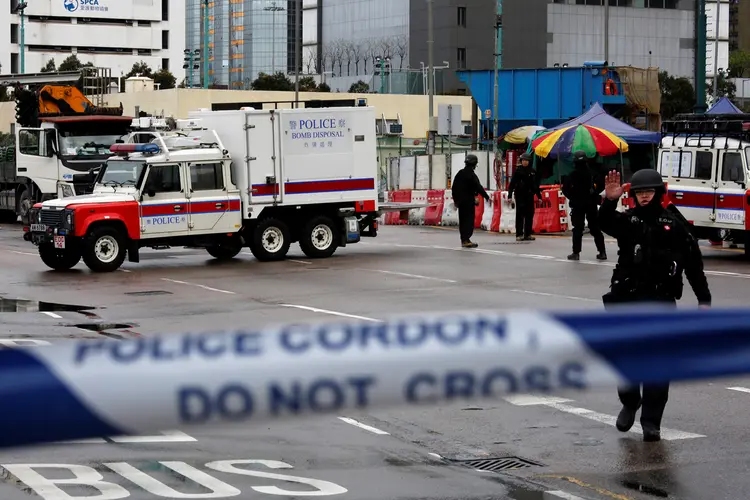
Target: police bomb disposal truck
x=246, y=178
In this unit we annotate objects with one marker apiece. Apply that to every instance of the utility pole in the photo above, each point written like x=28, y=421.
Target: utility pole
x=716, y=49
x=22, y=45
x=606, y=32
x=297, y=50
x=205, y=44
x=495, y=96
x=700, y=57
x=430, y=82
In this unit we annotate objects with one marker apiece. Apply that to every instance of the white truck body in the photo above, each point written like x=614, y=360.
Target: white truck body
x=300, y=156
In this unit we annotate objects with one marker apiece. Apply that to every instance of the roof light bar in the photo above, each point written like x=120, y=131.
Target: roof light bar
x=135, y=148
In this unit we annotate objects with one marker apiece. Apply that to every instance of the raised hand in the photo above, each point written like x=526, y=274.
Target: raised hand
x=612, y=186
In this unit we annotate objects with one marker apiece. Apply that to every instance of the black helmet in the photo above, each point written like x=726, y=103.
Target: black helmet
x=580, y=156
x=526, y=156
x=646, y=178
x=471, y=160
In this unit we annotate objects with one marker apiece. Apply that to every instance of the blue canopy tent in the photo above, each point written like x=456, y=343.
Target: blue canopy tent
x=597, y=117
x=724, y=107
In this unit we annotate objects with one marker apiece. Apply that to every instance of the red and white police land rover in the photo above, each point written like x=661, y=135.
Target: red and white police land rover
x=246, y=178
x=706, y=161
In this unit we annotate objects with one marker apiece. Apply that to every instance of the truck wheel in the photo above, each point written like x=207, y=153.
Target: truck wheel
x=224, y=251
x=24, y=205
x=319, y=238
x=59, y=260
x=271, y=240
x=104, y=249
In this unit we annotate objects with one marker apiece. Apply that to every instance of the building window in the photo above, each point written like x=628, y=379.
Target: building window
x=165, y=63
x=165, y=10
x=462, y=16
x=661, y=4
x=14, y=63
x=13, y=33
x=461, y=58
x=165, y=39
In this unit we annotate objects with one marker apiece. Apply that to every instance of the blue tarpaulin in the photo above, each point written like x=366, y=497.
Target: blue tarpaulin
x=597, y=117
x=724, y=107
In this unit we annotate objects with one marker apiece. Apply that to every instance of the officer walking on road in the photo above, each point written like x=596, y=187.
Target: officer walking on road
x=523, y=186
x=582, y=188
x=465, y=188
x=655, y=247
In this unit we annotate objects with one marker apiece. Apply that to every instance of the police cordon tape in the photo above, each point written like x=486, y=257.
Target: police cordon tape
x=86, y=389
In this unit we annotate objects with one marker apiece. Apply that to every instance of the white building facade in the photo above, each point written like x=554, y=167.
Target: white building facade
x=112, y=34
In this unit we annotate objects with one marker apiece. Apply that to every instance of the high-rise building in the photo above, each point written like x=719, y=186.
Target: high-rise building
x=113, y=34
x=245, y=38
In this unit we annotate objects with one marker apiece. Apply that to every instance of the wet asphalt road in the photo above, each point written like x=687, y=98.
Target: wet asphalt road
x=405, y=454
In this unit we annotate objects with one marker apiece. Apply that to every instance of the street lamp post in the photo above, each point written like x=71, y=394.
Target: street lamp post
x=191, y=63
x=205, y=44
x=297, y=49
x=22, y=45
x=273, y=8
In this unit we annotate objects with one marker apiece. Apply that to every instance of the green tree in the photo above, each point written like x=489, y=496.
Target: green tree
x=4, y=93
x=739, y=63
x=140, y=68
x=324, y=87
x=726, y=87
x=677, y=95
x=308, y=84
x=165, y=79
x=50, y=67
x=6, y=139
x=360, y=87
x=72, y=63
x=278, y=81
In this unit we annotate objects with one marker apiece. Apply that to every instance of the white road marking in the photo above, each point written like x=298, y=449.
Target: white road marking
x=543, y=294
x=560, y=405
x=11, y=343
x=563, y=494
x=51, y=314
x=739, y=389
x=165, y=437
x=366, y=427
x=24, y=253
x=435, y=455
x=418, y=276
x=199, y=286
x=125, y=271
x=300, y=261
x=548, y=258
x=333, y=313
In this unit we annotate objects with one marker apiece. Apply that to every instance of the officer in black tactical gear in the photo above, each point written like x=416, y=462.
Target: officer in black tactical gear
x=523, y=186
x=582, y=188
x=655, y=247
x=465, y=188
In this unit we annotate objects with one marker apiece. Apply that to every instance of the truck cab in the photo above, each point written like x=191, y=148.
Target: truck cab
x=706, y=161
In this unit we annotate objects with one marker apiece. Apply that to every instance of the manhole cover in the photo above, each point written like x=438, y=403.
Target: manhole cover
x=498, y=464
x=149, y=293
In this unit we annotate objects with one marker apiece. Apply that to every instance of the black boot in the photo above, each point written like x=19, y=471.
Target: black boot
x=626, y=419
x=601, y=256
x=574, y=256
x=651, y=432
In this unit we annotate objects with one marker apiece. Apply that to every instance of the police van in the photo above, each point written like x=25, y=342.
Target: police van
x=245, y=178
x=705, y=159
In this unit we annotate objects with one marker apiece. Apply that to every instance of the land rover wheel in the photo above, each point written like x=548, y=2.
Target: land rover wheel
x=319, y=238
x=59, y=260
x=271, y=240
x=104, y=249
x=226, y=250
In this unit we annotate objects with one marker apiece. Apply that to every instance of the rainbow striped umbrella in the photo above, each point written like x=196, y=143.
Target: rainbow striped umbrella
x=592, y=140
